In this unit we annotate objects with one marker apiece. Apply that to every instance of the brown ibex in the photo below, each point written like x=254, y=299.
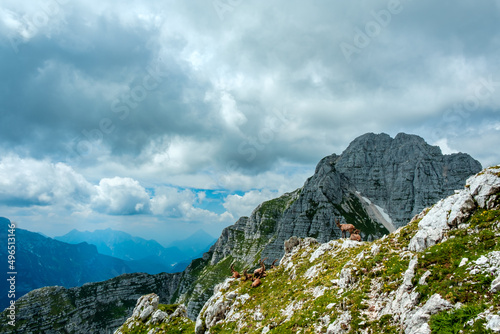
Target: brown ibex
x=235, y=273
x=272, y=265
x=260, y=272
x=245, y=276
x=345, y=228
x=255, y=282
x=356, y=235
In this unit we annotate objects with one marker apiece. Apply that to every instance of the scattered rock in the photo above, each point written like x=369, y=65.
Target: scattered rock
x=422, y=279
x=145, y=306
x=146, y=311
x=495, y=285
x=322, y=249
x=404, y=299
x=494, y=323
x=345, y=277
x=158, y=317
x=180, y=311
x=463, y=262
x=290, y=309
x=313, y=271
x=341, y=325
x=258, y=316
x=486, y=264
x=290, y=244
x=417, y=321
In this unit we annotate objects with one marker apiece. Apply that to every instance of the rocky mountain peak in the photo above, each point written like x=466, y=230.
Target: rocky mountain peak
x=404, y=174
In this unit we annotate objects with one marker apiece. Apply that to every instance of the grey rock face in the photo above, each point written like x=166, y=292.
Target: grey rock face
x=452, y=211
x=403, y=175
x=92, y=308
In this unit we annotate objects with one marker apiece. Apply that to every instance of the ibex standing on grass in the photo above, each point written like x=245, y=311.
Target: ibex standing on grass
x=345, y=228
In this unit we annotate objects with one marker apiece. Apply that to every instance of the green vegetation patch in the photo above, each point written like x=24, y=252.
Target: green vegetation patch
x=455, y=321
x=442, y=260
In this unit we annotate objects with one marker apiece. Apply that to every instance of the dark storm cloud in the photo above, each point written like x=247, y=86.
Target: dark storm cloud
x=111, y=109
x=110, y=82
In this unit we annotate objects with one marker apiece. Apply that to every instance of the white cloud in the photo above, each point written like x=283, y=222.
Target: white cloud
x=243, y=205
x=120, y=196
x=443, y=144
x=175, y=155
x=26, y=181
x=229, y=111
x=176, y=203
x=169, y=201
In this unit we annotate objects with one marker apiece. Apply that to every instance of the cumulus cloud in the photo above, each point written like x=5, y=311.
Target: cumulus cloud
x=120, y=196
x=184, y=204
x=26, y=182
x=243, y=205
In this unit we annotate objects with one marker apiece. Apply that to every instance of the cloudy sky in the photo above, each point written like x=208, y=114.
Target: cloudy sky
x=162, y=117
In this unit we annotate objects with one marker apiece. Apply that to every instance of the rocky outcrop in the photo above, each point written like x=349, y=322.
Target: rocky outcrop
x=92, y=308
x=148, y=317
x=481, y=191
x=216, y=308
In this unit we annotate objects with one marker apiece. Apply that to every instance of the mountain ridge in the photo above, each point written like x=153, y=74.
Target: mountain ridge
x=331, y=194
x=143, y=255
x=41, y=263
x=311, y=211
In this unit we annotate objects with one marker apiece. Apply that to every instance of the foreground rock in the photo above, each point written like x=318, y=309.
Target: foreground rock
x=481, y=192
x=151, y=317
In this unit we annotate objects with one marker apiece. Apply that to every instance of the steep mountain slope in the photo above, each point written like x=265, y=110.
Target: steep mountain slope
x=142, y=255
x=310, y=211
x=39, y=262
x=439, y=273
x=394, y=169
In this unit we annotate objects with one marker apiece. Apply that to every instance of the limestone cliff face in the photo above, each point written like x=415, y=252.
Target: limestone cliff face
x=92, y=308
x=377, y=184
x=375, y=177
x=403, y=175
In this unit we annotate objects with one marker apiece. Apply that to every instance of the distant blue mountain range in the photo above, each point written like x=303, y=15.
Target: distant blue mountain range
x=141, y=254
x=81, y=257
x=42, y=261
